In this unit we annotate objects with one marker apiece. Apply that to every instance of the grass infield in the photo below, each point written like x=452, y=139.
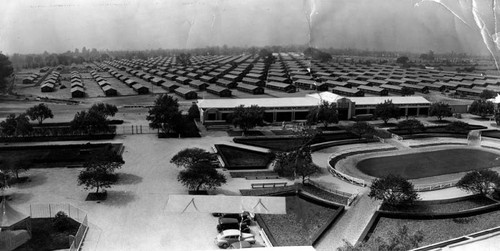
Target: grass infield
x=427, y=164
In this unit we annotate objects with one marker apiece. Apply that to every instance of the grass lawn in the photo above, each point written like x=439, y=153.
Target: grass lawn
x=239, y=158
x=445, y=207
x=439, y=230
x=46, y=156
x=427, y=164
x=300, y=224
x=44, y=237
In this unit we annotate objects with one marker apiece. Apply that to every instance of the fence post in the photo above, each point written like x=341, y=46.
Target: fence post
x=69, y=210
x=132, y=126
x=50, y=211
x=141, y=129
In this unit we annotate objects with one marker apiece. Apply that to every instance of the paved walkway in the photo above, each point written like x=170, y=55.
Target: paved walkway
x=400, y=145
x=92, y=238
x=351, y=224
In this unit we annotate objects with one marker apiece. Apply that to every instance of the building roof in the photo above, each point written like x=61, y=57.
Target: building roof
x=395, y=100
x=262, y=102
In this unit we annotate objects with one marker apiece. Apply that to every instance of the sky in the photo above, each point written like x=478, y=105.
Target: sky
x=35, y=26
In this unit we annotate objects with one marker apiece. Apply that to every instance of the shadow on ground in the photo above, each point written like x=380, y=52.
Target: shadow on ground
x=119, y=198
x=128, y=179
x=33, y=181
x=19, y=198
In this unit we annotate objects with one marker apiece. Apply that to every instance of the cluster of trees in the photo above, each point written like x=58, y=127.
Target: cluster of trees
x=19, y=125
x=482, y=108
x=440, y=110
x=386, y=111
x=198, y=169
x=316, y=54
x=484, y=182
x=325, y=113
x=6, y=70
x=247, y=118
x=94, y=120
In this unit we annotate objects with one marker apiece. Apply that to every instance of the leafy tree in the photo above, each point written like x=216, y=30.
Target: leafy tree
x=361, y=129
x=411, y=126
x=482, y=182
x=6, y=70
x=106, y=110
x=90, y=122
x=184, y=58
x=99, y=170
x=15, y=166
x=458, y=127
x=165, y=114
x=190, y=156
x=4, y=177
x=267, y=56
x=393, y=190
x=16, y=125
x=487, y=94
x=482, y=108
x=201, y=175
x=325, y=113
x=402, y=240
x=405, y=91
x=61, y=222
x=440, y=110
x=39, y=112
x=248, y=117
x=402, y=60
x=386, y=111
x=194, y=112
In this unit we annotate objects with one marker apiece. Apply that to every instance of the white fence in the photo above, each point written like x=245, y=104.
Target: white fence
x=350, y=197
x=435, y=186
x=135, y=129
x=266, y=240
x=50, y=210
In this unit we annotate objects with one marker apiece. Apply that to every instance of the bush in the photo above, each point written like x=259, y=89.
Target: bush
x=61, y=222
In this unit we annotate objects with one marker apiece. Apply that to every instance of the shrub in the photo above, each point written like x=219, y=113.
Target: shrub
x=61, y=222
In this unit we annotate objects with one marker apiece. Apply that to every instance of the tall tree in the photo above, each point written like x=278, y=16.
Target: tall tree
x=90, y=122
x=487, y=94
x=325, y=113
x=248, y=117
x=440, y=110
x=482, y=108
x=6, y=70
x=39, y=112
x=15, y=166
x=405, y=91
x=165, y=114
x=107, y=110
x=386, y=111
x=201, y=175
x=190, y=156
x=194, y=112
x=393, y=190
x=99, y=170
x=16, y=125
x=483, y=182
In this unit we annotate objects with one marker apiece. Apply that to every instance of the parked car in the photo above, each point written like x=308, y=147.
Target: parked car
x=245, y=217
x=228, y=237
x=240, y=245
x=231, y=223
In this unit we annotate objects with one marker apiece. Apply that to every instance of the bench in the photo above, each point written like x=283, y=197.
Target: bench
x=262, y=177
x=268, y=185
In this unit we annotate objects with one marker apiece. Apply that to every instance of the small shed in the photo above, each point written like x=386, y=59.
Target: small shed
x=198, y=85
x=140, y=89
x=219, y=91
x=253, y=89
x=77, y=92
x=186, y=93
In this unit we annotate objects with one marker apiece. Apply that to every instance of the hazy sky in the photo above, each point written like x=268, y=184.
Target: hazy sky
x=397, y=25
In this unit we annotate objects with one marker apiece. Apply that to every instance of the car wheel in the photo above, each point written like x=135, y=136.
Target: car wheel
x=225, y=245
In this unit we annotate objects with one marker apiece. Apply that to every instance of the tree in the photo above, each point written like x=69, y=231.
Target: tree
x=39, y=112
x=393, y=190
x=325, y=113
x=165, y=114
x=4, y=177
x=361, y=129
x=405, y=91
x=487, y=94
x=6, y=70
x=16, y=125
x=90, y=122
x=201, y=175
x=15, y=166
x=267, y=56
x=248, y=117
x=106, y=110
x=402, y=240
x=482, y=182
x=482, y=108
x=190, y=156
x=457, y=127
x=440, y=110
x=411, y=125
x=99, y=170
x=386, y=111
x=61, y=222
x=194, y=112
x=402, y=60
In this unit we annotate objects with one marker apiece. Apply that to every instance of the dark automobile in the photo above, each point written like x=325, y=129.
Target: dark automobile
x=231, y=223
x=245, y=217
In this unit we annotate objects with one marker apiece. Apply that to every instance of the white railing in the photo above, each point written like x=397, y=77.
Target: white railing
x=80, y=235
x=266, y=240
x=350, y=197
x=435, y=186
